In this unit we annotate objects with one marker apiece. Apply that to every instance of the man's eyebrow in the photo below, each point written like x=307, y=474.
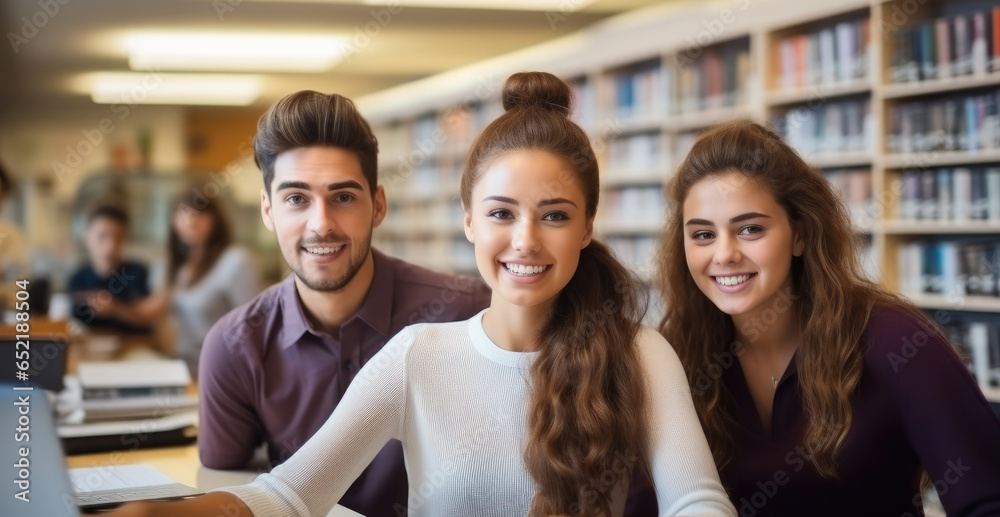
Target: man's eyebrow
x=305, y=186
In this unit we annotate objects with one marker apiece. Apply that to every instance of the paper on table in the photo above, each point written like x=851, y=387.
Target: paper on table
x=116, y=478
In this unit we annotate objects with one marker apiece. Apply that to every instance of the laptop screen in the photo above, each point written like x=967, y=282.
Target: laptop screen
x=46, y=366
x=31, y=455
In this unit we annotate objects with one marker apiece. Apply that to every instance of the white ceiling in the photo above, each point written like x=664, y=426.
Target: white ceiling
x=84, y=36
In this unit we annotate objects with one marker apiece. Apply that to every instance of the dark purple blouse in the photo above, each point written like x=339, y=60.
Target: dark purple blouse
x=917, y=407
x=268, y=376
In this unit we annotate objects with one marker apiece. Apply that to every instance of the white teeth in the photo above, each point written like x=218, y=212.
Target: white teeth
x=732, y=280
x=522, y=270
x=324, y=251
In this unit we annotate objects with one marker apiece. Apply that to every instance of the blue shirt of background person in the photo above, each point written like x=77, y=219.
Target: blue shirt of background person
x=106, y=277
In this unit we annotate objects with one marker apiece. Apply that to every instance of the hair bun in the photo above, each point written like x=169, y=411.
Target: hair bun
x=536, y=89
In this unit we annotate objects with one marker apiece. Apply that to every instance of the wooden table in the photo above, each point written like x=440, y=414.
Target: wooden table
x=182, y=465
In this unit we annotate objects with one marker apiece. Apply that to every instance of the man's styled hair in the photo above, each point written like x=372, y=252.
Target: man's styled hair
x=309, y=118
x=112, y=213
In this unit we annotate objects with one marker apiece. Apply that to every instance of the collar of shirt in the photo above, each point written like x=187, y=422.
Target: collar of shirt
x=375, y=311
x=784, y=398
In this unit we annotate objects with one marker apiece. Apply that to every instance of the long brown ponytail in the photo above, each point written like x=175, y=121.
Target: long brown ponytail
x=587, y=408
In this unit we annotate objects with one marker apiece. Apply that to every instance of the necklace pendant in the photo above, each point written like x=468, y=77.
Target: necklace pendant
x=774, y=382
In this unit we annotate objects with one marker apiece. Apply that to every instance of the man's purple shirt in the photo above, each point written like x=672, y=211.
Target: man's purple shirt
x=269, y=376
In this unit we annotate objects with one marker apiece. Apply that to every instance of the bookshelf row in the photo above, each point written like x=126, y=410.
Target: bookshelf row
x=901, y=114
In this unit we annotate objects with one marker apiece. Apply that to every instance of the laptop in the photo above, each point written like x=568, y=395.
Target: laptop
x=30, y=454
x=33, y=457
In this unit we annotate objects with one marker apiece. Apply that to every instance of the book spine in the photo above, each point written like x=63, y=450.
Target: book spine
x=928, y=195
x=944, y=188
x=928, y=58
x=943, y=48
x=980, y=347
x=963, y=46
x=962, y=191
x=971, y=129
x=845, y=51
x=979, y=48
x=993, y=193
x=996, y=39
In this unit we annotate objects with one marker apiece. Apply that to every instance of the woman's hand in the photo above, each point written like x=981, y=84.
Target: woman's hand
x=215, y=504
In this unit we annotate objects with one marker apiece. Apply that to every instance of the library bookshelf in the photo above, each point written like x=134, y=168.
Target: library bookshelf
x=859, y=87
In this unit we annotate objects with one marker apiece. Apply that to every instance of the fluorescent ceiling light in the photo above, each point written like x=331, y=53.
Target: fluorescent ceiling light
x=559, y=6
x=556, y=6
x=160, y=88
x=191, y=51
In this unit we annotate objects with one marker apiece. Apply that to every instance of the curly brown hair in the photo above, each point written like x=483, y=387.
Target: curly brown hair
x=833, y=297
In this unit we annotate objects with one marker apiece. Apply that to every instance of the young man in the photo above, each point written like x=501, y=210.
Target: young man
x=274, y=369
x=107, y=278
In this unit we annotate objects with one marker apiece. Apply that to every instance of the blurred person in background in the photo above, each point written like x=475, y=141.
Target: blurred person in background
x=206, y=275
x=107, y=277
x=13, y=252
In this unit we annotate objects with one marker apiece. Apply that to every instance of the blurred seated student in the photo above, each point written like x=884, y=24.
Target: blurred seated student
x=206, y=276
x=13, y=252
x=107, y=277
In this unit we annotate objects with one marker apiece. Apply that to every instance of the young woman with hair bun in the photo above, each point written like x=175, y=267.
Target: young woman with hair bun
x=543, y=403
x=821, y=393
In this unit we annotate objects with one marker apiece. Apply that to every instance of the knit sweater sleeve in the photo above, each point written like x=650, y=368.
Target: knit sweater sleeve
x=371, y=413
x=684, y=473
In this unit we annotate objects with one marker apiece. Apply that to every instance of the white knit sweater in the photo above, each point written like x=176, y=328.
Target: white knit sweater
x=458, y=404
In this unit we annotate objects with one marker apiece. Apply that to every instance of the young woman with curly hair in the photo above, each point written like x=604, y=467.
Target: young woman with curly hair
x=820, y=392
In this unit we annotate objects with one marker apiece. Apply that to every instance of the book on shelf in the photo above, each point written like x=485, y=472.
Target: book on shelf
x=977, y=342
x=832, y=127
x=950, y=267
x=950, y=194
x=717, y=78
x=639, y=92
x=855, y=188
x=584, y=102
x=637, y=152
x=827, y=56
x=952, y=46
x=621, y=206
x=955, y=122
x=636, y=253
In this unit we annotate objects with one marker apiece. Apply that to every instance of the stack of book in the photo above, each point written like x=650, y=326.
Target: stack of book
x=716, y=78
x=640, y=92
x=828, y=128
x=950, y=194
x=134, y=389
x=951, y=268
x=967, y=44
x=825, y=57
x=965, y=122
